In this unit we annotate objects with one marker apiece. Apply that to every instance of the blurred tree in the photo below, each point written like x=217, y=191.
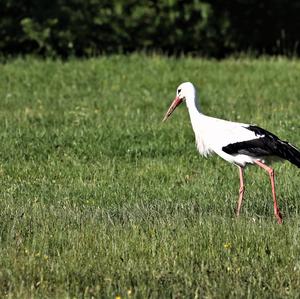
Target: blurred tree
x=202, y=27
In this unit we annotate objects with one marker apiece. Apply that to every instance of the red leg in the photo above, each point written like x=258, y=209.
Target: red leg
x=241, y=191
x=272, y=175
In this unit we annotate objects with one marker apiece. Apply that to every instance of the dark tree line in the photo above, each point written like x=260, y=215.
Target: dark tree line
x=214, y=28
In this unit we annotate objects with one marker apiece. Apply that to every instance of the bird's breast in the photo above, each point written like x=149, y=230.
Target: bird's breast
x=202, y=145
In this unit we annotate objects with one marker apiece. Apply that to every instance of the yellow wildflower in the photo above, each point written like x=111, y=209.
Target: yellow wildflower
x=227, y=245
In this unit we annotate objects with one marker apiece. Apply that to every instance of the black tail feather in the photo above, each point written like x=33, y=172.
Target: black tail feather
x=266, y=144
x=289, y=152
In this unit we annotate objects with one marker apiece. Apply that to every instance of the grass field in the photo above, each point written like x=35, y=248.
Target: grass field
x=100, y=199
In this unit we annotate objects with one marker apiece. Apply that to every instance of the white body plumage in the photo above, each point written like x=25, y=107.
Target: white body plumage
x=212, y=134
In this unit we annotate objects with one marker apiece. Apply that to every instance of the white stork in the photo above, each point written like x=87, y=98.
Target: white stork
x=237, y=143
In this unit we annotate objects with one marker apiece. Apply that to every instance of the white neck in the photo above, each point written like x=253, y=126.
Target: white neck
x=198, y=123
x=192, y=104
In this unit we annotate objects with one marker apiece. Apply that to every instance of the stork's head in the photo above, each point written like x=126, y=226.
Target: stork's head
x=185, y=92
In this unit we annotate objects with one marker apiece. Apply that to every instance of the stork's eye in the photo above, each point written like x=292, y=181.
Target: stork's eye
x=179, y=91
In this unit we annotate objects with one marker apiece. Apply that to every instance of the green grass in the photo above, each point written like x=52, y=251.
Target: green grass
x=100, y=199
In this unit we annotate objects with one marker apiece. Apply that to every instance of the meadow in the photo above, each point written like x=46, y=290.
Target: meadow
x=100, y=199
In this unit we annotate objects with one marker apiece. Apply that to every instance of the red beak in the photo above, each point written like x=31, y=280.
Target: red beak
x=177, y=101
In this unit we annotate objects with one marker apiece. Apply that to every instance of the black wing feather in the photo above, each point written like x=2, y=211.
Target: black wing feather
x=267, y=144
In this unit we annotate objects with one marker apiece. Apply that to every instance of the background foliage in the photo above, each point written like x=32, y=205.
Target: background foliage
x=85, y=27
